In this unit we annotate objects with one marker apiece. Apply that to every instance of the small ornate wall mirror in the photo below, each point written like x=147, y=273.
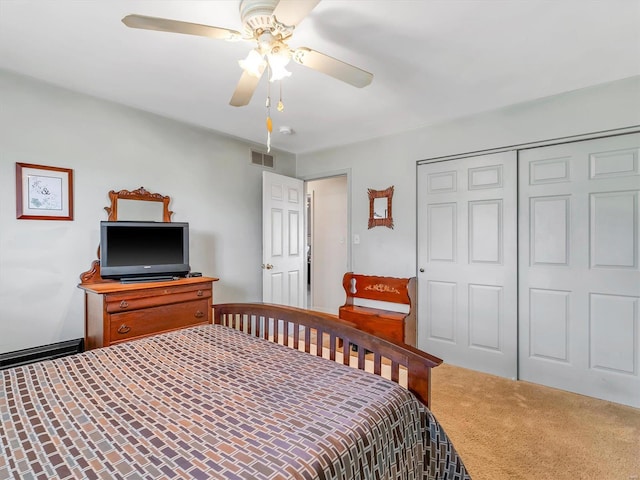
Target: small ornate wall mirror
x=380, y=208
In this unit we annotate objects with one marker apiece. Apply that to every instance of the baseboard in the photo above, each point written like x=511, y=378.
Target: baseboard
x=44, y=352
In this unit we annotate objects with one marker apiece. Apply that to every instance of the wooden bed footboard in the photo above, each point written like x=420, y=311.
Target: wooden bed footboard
x=319, y=334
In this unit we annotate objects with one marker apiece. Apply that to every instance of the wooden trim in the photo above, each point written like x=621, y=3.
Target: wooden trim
x=139, y=194
x=411, y=322
x=381, y=222
x=117, y=287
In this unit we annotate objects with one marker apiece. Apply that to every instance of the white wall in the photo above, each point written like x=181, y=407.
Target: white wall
x=391, y=160
x=213, y=187
x=111, y=147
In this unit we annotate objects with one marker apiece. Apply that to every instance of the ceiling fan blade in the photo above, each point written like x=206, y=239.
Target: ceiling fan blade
x=245, y=88
x=333, y=67
x=176, y=26
x=291, y=12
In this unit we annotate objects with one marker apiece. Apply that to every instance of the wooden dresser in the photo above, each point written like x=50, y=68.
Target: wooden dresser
x=116, y=312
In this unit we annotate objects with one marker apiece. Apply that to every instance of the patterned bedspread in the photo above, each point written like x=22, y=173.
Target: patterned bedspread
x=212, y=403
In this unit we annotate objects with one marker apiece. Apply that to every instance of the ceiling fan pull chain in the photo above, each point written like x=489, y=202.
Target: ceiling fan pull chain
x=280, y=104
x=269, y=121
x=268, y=137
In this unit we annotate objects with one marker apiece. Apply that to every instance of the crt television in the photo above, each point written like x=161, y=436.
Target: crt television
x=144, y=249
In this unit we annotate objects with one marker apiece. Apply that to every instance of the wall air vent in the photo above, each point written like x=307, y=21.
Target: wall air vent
x=262, y=159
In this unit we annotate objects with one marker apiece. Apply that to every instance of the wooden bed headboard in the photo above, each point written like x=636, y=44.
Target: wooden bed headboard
x=318, y=333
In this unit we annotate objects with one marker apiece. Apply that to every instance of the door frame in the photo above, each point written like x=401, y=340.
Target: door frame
x=541, y=143
x=321, y=176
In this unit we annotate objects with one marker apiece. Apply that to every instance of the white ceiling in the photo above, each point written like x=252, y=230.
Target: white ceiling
x=432, y=60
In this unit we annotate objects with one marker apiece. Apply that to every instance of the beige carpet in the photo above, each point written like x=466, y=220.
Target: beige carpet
x=511, y=430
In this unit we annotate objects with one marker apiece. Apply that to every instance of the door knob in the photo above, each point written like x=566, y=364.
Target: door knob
x=422, y=270
x=268, y=266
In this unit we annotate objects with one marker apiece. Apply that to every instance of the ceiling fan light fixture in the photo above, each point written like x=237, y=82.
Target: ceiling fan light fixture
x=278, y=58
x=278, y=72
x=271, y=24
x=254, y=63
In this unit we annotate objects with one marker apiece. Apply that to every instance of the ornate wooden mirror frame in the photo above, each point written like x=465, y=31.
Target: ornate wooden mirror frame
x=141, y=195
x=375, y=219
x=93, y=274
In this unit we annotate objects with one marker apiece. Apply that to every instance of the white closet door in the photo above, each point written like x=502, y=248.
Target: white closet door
x=579, y=267
x=467, y=247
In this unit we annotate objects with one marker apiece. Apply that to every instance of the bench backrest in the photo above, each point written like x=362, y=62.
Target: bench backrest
x=385, y=289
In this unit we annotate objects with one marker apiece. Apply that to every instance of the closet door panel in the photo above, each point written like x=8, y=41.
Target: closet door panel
x=467, y=310
x=579, y=277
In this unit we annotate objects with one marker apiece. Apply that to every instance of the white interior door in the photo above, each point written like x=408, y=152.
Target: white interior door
x=283, y=255
x=467, y=259
x=579, y=267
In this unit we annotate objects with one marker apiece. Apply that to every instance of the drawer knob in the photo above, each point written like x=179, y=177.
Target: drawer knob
x=200, y=293
x=124, y=329
x=123, y=304
x=199, y=314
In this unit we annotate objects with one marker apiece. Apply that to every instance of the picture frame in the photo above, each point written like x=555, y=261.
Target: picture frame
x=43, y=192
x=380, y=213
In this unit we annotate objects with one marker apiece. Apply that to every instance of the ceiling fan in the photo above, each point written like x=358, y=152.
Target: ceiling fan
x=271, y=24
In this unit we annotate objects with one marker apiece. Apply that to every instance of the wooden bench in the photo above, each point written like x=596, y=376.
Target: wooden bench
x=399, y=327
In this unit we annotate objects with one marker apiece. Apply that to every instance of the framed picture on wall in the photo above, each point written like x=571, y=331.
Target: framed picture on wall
x=43, y=193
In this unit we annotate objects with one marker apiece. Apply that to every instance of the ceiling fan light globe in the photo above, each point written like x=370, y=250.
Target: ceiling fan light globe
x=266, y=41
x=254, y=64
x=278, y=59
x=279, y=55
x=278, y=72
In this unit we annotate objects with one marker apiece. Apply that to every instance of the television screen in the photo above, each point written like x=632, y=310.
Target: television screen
x=143, y=249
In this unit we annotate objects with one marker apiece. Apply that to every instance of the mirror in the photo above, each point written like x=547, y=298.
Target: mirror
x=138, y=205
x=380, y=208
x=139, y=210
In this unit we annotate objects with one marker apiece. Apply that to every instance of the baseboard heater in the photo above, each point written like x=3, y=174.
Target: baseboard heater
x=44, y=352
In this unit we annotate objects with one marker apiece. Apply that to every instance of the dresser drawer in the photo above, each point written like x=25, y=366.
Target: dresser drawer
x=148, y=321
x=124, y=302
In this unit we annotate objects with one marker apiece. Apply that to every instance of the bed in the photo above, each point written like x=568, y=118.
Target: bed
x=263, y=393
